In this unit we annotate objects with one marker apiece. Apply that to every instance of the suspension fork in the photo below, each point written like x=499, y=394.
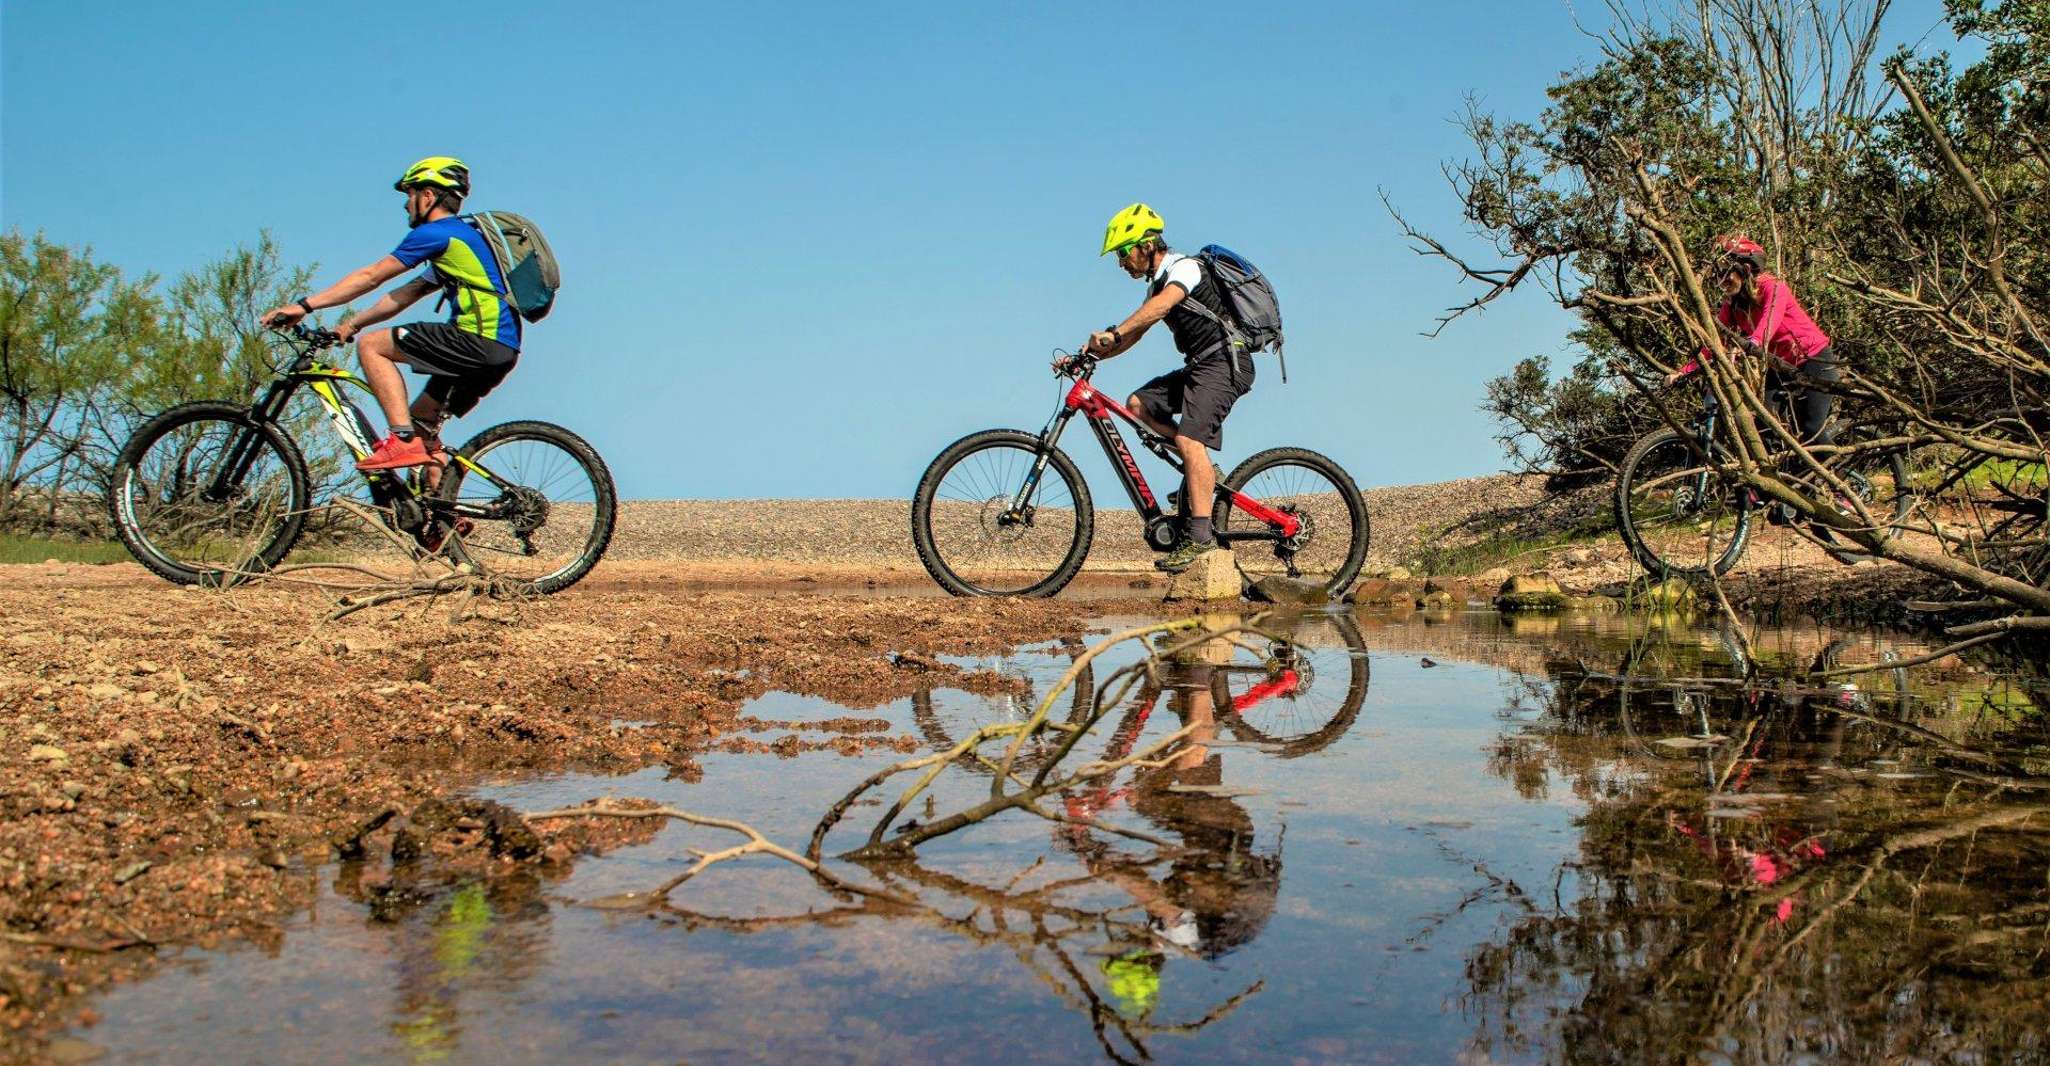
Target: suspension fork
x=242, y=451
x=1704, y=438
x=1049, y=436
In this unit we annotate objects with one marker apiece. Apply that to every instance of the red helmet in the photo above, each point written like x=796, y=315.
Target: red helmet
x=1739, y=247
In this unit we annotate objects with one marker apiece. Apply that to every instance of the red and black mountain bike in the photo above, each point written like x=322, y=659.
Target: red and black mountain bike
x=1006, y=513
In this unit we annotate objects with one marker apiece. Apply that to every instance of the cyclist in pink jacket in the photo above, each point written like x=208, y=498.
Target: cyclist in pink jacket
x=1763, y=308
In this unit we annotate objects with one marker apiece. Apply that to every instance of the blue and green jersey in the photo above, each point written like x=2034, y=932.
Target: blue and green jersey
x=468, y=275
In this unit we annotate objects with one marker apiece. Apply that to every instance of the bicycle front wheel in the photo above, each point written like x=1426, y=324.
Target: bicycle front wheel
x=1330, y=541
x=203, y=494
x=1680, y=516
x=540, y=504
x=973, y=536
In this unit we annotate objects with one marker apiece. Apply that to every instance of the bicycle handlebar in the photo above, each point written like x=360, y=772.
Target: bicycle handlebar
x=315, y=338
x=1078, y=366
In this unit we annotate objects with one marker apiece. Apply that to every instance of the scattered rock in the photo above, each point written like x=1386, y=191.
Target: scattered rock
x=1531, y=592
x=1435, y=599
x=1493, y=575
x=48, y=753
x=1397, y=573
x=1214, y=576
x=1670, y=594
x=1578, y=557
x=105, y=691
x=1428, y=662
x=1525, y=584
x=130, y=872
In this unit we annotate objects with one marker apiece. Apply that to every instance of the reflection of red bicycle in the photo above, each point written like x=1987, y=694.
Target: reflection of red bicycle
x=988, y=521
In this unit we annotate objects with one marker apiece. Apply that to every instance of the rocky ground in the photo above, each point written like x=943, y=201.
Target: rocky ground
x=172, y=762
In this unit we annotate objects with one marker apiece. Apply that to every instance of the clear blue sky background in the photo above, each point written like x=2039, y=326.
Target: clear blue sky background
x=807, y=245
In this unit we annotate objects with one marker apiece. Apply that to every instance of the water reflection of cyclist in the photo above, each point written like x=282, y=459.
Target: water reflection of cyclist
x=1759, y=854
x=1219, y=889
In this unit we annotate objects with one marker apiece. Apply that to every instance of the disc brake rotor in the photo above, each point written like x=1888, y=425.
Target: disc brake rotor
x=1001, y=523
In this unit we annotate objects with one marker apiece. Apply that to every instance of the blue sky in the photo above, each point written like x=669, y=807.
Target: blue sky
x=807, y=245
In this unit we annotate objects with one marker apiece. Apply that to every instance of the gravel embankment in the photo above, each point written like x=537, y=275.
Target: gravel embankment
x=877, y=533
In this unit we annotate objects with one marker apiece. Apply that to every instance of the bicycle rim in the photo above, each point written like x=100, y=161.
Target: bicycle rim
x=1328, y=549
x=170, y=516
x=553, y=508
x=977, y=536
x=1679, y=515
x=1304, y=695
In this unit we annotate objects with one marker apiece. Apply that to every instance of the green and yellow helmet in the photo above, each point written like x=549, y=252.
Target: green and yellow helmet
x=441, y=171
x=1130, y=226
x=1133, y=980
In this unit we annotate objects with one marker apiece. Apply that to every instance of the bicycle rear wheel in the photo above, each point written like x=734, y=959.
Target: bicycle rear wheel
x=1679, y=515
x=203, y=493
x=1307, y=694
x=971, y=539
x=1331, y=542
x=543, y=513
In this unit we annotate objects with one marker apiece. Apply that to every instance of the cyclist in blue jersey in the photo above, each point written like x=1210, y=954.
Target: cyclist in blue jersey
x=463, y=358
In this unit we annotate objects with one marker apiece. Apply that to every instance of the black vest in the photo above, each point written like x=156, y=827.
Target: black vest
x=1195, y=336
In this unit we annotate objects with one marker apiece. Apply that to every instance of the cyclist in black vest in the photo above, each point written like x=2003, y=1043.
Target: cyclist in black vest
x=1211, y=378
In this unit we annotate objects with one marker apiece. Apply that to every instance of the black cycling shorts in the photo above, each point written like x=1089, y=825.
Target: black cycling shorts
x=461, y=366
x=1202, y=393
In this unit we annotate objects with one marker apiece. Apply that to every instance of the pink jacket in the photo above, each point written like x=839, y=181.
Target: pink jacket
x=1780, y=327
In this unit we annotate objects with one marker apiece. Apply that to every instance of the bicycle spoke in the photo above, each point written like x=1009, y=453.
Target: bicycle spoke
x=981, y=539
x=176, y=514
x=548, y=505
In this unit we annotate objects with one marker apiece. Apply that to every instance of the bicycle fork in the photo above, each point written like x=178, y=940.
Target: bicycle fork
x=1020, y=510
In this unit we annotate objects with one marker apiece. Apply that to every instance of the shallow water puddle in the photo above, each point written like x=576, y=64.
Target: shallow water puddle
x=1406, y=840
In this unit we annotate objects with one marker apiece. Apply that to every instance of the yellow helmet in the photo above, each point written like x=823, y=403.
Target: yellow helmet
x=442, y=171
x=1129, y=227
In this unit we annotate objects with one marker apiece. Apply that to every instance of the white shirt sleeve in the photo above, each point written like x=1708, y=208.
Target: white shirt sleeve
x=1185, y=272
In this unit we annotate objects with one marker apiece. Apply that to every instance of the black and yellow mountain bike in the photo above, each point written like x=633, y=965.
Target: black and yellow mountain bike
x=209, y=492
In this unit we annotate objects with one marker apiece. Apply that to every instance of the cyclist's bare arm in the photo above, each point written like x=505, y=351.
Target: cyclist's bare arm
x=358, y=282
x=1107, y=344
x=389, y=304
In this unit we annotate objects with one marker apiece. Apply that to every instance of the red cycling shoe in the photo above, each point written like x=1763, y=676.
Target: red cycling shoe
x=391, y=453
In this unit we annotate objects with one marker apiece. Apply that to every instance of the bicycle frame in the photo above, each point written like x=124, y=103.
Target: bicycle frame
x=354, y=429
x=1102, y=412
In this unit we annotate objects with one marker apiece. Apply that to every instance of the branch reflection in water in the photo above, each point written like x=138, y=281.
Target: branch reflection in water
x=1780, y=867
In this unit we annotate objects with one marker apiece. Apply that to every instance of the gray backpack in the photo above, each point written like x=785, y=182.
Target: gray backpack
x=524, y=260
x=1255, y=319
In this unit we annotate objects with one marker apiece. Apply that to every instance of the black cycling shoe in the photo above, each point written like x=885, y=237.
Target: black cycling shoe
x=1185, y=555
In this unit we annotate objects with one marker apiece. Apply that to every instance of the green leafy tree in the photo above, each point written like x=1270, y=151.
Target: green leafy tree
x=68, y=325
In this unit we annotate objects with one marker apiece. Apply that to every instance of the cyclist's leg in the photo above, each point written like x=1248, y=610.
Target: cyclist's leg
x=1212, y=389
x=1811, y=405
x=449, y=396
x=1157, y=402
x=379, y=353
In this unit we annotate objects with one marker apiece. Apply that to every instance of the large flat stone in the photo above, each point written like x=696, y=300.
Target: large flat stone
x=1278, y=589
x=1215, y=576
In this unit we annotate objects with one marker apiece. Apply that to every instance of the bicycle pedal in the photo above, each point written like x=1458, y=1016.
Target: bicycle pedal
x=434, y=539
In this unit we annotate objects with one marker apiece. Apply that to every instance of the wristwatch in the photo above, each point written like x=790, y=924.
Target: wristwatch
x=303, y=305
x=1115, y=336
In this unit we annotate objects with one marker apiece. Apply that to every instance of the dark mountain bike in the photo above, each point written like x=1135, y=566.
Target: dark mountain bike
x=1682, y=514
x=988, y=520
x=210, y=492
